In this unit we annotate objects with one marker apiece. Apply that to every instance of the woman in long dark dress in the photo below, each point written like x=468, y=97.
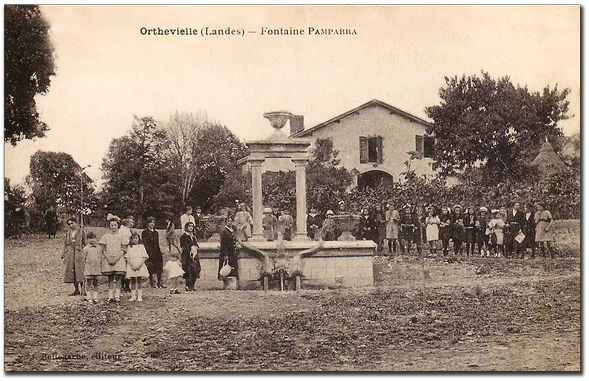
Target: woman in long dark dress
x=190, y=260
x=51, y=222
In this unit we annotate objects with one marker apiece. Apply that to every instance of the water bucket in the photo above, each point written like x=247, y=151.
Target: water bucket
x=225, y=270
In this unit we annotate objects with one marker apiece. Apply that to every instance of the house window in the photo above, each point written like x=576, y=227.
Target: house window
x=424, y=145
x=371, y=149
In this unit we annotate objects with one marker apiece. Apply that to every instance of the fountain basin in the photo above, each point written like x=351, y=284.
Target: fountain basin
x=336, y=264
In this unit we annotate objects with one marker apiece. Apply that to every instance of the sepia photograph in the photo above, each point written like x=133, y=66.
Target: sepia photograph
x=292, y=188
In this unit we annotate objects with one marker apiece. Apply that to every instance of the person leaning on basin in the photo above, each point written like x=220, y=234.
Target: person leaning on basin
x=330, y=231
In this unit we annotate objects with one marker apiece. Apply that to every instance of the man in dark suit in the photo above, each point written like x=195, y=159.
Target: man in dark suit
x=457, y=229
x=314, y=223
x=228, y=251
x=514, y=225
x=410, y=230
x=529, y=229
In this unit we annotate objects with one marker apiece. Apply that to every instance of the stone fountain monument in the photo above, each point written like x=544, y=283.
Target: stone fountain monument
x=324, y=264
x=278, y=145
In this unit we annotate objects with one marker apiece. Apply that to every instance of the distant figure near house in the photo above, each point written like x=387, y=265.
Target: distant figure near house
x=51, y=222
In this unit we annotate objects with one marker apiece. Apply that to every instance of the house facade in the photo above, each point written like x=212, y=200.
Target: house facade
x=374, y=139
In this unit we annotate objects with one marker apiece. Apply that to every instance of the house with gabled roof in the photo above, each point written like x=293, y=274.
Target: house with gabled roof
x=374, y=140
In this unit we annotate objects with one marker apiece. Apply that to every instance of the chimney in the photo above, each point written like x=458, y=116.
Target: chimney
x=297, y=123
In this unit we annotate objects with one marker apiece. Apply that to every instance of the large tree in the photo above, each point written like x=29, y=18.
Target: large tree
x=28, y=66
x=203, y=156
x=493, y=124
x=136, y=173
x=215, y=159
x=182, y=129
x=57, y=180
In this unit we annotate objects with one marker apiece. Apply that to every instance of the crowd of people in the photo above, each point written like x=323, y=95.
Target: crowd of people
x=129, y=257
x=500, y=232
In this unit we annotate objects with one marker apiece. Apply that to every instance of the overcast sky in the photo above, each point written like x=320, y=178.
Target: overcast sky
x=107, y=70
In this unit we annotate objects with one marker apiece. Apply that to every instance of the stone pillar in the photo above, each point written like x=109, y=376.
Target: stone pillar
x=301, y=191
x=257, y=202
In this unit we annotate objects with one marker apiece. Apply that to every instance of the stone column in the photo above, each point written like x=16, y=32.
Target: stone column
x=257, y=202
x=301, y=191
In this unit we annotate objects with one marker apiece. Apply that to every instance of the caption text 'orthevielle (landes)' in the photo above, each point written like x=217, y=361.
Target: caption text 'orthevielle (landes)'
x=264, y=31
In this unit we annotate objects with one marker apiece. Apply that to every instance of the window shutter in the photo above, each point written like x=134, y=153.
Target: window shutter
x=428, y=146
x=379, y=148
x=363, y=149
x=419, y=144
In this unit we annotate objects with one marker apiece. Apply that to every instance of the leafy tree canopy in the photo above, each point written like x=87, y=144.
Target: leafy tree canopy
x=215, y=156
x=135, y=171
x=57, y=180
x=28, y=66
x=493, y=124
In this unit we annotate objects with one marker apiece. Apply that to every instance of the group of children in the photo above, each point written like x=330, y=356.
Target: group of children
x=118, y=256
x=502, y=233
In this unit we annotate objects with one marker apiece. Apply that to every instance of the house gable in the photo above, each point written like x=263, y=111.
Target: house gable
x=373, y=103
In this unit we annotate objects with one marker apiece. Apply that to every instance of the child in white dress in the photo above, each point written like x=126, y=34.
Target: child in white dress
x=136, y=269
x=432, y=230
x=113, y=263
x=173, y=269
x=496, y=226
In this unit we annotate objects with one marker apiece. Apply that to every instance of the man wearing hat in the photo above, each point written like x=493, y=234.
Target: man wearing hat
x=330, y=231
x=458, y=231
x=269, y=222
x=314, y=223
x=200, y=228
x=514, y=224
x=228, y=250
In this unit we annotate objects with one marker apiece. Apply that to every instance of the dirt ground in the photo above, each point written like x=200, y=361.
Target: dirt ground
x=470, y=314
